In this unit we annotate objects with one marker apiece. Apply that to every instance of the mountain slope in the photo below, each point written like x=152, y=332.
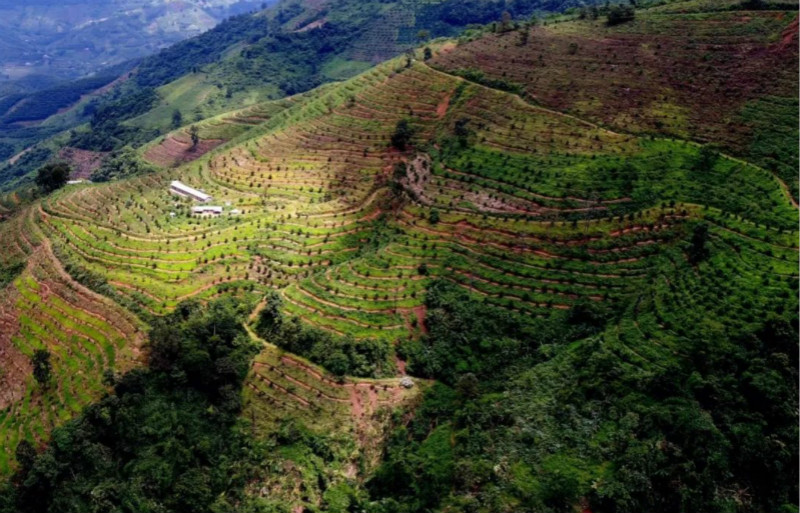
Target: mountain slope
x=713, y=77
x=74, y=38
x=289, y=48
x=609, y=313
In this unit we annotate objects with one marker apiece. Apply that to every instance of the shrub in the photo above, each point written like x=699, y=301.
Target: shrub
x=42, y=368
x=618, y=14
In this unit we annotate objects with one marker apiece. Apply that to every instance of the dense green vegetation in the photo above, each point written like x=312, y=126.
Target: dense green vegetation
x=566, y=422
x=9, y=272
x=165, y=439
x=181, y=58
x=106, y=131
x=124, y=163
x=42, y=368
x=43, y=104
x=620, y=14
x=341, y=355
x=525, y=419
x=170, y=438
x=52, y=177
x=28, y=163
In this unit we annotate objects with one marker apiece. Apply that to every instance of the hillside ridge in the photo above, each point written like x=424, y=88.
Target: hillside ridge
x=460, y=295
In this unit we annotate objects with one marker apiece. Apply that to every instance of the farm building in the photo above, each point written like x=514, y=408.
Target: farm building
x=206, y=210
x=183, y=190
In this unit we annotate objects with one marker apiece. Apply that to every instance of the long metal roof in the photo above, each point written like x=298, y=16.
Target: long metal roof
x=191, y=191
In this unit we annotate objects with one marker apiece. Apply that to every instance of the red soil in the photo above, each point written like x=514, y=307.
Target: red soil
x=401, y=366
x=789, y=39
x=679, y=77
x=441, y=109
x=420, y=312
x=174, y=151
x=83, y=162
x=15, y=365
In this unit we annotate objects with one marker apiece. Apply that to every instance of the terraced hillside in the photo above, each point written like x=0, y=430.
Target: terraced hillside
x=311, y=198
x=352, y=201
x=726, y=77
x=290, y=47
x=177, y=147
x=86, y=334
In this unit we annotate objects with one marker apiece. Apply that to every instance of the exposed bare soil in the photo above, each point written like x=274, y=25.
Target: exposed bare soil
x=174, y=150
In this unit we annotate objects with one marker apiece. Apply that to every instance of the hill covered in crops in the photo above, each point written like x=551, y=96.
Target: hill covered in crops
x=548, y=265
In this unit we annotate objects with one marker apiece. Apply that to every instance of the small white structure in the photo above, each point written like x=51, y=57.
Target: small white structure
x=207, y=210
x=183, y=190
x=235, y=212
x=77, y=182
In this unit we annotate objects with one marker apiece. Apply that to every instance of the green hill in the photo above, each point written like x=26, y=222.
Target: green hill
x=589, y=271
x=284, y=50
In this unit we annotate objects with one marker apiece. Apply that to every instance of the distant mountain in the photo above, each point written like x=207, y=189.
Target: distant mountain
x=288, y=48
x=71, y=38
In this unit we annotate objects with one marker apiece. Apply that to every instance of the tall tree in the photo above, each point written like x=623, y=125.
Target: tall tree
x=620, y=14
x=698, y=250
x=52, y=177
x=42, y=368
x=177, y=118
x=194, y=134
x=402, y=135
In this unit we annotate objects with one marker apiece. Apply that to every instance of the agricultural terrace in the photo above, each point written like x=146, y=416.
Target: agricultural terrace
x=282, y=385
x=45, y=308
x=352, y=415
x=178, y=148
x=725, y=77
x=529, y=208
x=523, y=207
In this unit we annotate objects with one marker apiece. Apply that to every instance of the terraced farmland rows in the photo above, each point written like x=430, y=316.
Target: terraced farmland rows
x=524, y=207
x=641, y=77
x=309, y=200
x=283, y=386
x=85, y=333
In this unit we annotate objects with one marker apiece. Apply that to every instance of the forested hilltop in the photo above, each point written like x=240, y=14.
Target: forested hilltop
x=549, y=264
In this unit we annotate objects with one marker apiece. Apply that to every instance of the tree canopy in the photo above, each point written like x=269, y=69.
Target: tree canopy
x=52, y=177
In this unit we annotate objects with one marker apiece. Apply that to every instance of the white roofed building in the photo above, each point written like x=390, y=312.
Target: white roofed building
x=207, y=210
x=183, y=190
